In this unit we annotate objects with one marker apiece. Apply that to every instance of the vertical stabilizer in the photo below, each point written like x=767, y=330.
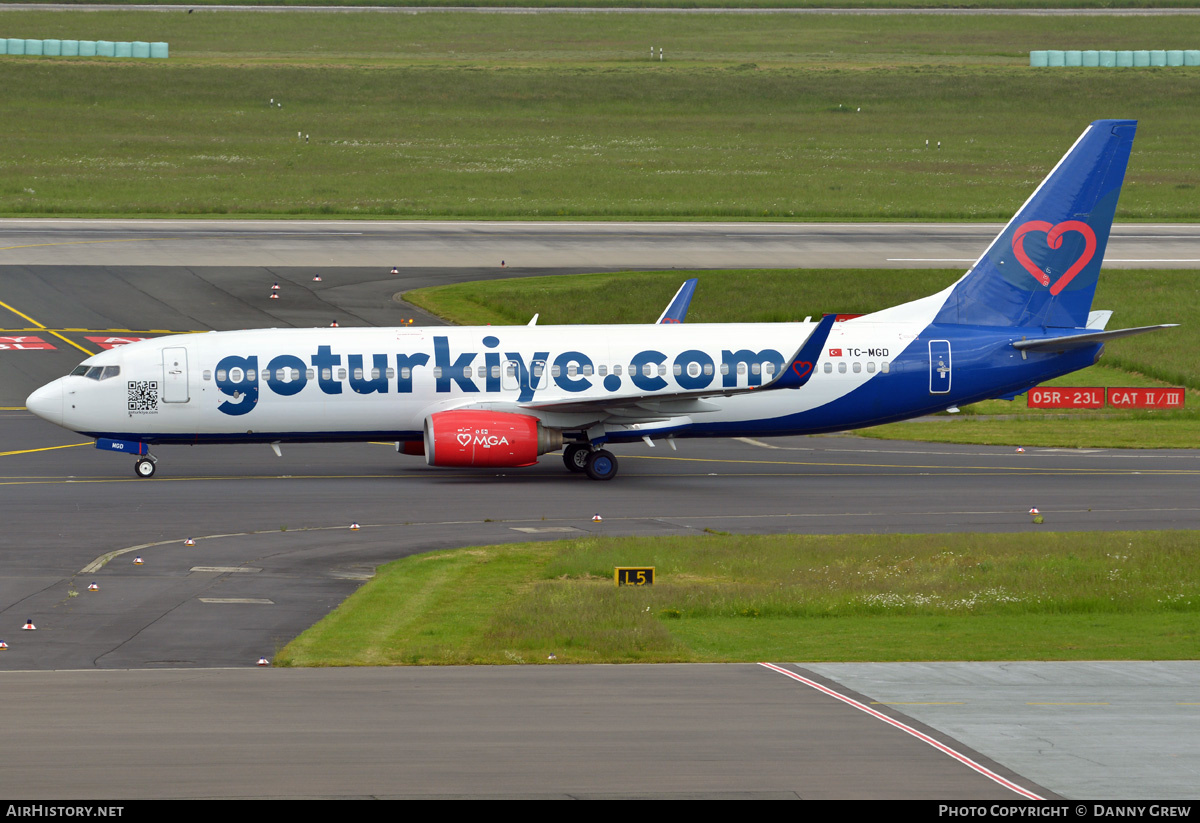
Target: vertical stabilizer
x=1043, y=268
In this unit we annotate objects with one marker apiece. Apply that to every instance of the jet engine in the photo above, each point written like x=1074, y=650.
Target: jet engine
x=477, y=437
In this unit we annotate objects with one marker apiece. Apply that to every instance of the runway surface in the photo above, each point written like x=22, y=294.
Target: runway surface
x=126, y=684
x=599, y=246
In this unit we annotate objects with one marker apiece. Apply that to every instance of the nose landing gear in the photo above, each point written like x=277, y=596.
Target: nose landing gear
x=145, y=466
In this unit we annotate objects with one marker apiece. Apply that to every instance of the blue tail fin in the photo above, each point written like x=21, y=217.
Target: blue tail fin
x=1042, y=269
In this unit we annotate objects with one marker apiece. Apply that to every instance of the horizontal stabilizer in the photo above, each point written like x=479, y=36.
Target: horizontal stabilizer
x=1075, y=341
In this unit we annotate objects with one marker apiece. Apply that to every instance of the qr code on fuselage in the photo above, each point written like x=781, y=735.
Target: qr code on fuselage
x=143, y=395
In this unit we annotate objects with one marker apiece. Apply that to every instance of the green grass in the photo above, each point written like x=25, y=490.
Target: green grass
x=1139, y=298
x=688, y=4
x=513, y=116
x=722, y=598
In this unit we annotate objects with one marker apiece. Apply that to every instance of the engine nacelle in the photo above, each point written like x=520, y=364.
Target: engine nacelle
x=477, y=437
x=412, y=447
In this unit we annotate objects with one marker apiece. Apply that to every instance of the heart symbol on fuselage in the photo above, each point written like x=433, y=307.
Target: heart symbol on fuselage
x=1054, y=240
x=464, y=439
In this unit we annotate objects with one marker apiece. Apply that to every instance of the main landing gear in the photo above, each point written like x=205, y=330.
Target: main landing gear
x=598, y=464
x=145, y=466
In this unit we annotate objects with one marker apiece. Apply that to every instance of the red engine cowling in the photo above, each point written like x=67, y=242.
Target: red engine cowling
x=476, y=437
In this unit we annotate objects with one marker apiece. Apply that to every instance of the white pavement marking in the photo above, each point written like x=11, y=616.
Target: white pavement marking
x=942, y=747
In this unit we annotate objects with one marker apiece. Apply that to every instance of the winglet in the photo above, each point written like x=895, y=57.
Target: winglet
x=677, y=309
x=804, y=363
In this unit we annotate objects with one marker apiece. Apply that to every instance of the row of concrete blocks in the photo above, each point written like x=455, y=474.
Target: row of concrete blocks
x=82, y=48
x=1116, y=59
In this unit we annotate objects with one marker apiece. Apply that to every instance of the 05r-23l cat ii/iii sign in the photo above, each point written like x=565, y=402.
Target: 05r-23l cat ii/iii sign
x=502, y=396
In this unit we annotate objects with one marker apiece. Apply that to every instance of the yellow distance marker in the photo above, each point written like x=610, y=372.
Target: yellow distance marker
x=633, y=575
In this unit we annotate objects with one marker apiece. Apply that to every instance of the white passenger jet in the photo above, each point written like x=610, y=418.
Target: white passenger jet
x=502, y=396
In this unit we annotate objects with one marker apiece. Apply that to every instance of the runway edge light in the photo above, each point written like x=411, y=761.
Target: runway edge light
x=29, y=627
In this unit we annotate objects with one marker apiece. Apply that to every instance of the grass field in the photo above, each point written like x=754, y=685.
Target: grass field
x=689, y=4
x=515, y=116
x=723, y=598
x=1139, y=298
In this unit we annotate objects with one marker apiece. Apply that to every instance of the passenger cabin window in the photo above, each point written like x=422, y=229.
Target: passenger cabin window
x=829, y=368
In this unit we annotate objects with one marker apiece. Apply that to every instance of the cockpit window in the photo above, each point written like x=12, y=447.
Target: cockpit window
x=96, y=372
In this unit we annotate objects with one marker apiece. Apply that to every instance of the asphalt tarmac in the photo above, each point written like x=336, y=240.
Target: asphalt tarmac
x=467, y=244
x=148, y=688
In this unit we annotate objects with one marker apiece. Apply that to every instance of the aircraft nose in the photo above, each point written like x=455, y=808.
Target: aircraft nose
x=47, y=402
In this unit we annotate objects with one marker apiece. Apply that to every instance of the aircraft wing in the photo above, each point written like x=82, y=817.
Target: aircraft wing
x=651, y=407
